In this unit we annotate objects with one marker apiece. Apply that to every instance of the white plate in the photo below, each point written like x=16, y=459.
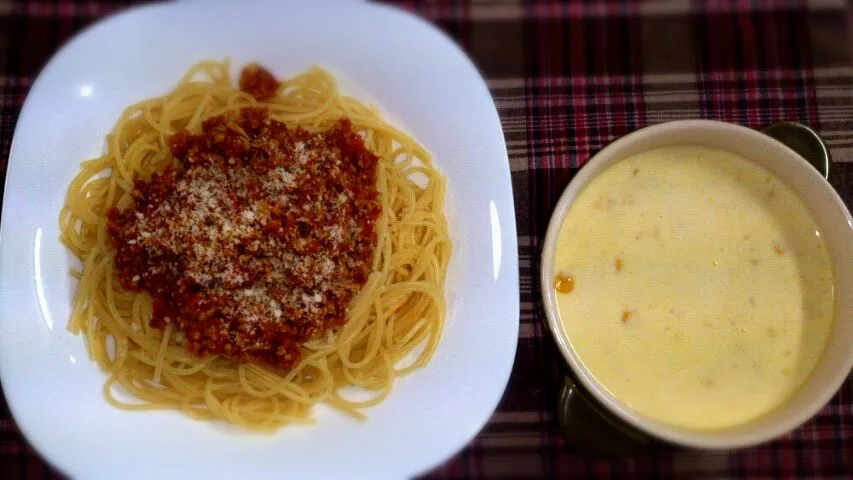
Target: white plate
x=420, y=80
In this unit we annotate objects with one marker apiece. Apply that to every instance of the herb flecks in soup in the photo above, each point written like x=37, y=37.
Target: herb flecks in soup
x=720, y=298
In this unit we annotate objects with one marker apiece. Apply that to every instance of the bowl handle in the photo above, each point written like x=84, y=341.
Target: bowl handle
x=588, y=429
x=803, y=140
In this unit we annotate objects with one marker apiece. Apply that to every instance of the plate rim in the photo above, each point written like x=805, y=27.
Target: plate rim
x=508, y=218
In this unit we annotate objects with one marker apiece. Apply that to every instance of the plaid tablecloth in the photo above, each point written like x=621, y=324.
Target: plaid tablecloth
x=568, y=79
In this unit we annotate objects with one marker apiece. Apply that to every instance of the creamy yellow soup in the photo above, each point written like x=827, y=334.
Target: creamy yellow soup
x=694, y=286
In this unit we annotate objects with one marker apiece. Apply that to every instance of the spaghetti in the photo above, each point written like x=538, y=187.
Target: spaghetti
x=391, y=326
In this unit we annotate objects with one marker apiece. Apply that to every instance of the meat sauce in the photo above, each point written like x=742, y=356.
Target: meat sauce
x=257, y=239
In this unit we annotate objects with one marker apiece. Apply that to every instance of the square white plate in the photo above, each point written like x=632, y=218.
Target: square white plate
x=419, y=79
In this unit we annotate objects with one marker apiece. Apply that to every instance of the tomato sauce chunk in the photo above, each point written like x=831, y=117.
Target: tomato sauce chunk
x=258, y=82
